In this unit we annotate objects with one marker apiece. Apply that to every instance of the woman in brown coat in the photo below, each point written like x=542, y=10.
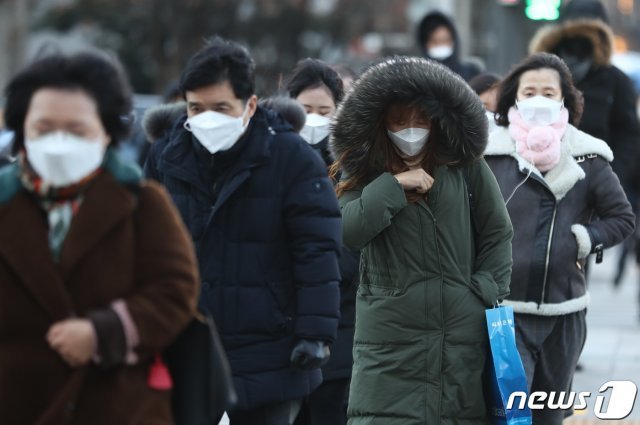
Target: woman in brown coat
x=97, y=273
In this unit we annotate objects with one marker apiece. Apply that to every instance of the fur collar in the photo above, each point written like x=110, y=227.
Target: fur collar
x=568, y=172
x=597, y=32
x=159, y=119
x=438, y=91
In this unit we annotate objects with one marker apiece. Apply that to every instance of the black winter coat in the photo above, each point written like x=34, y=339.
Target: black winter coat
x=610, y=115
x=267, y=240
x=558, y=219
x=341, y=362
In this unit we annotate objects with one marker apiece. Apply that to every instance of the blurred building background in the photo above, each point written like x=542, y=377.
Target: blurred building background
x=153, y=38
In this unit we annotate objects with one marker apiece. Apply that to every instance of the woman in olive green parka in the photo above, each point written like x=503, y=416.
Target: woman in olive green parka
x=409, y=140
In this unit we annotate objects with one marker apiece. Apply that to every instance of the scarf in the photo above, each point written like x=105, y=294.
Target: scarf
x=61, y=204
x=540, y=145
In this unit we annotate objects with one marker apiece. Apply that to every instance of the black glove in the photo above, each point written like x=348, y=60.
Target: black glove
x=309, y=354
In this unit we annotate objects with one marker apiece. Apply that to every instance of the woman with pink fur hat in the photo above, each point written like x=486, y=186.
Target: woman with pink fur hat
x=565, y=203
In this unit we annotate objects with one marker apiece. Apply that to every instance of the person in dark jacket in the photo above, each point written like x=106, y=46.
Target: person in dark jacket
x=585, y=42
x=97, y=272
x=485, y=85
x=565, y=202
x=409, y=138
x=438, y=40
x=318, y=88
x=266, y=225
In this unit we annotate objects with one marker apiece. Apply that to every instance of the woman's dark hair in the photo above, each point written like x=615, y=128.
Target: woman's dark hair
x=100, y=78
x=218, y=61
x=483, y=82
x=288, y=108
x=508, y=88
x=312, y=73
x=171, y=92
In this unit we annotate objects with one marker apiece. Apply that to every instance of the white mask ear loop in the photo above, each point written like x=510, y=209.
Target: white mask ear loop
x=244, y=115
x=518, y=186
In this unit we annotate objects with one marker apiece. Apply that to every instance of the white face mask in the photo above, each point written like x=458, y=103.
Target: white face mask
x=62, y=159
x=216, y=131
x=441, y=52
x=315, y=129
x=410, y=140
x=539, y=110
x=492, y=121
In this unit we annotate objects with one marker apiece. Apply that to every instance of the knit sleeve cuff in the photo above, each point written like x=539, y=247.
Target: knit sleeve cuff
x=583, y=239
x=132, y=338
x=116, y=333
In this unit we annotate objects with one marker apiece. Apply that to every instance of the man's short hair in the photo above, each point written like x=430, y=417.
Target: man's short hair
x=218, y=61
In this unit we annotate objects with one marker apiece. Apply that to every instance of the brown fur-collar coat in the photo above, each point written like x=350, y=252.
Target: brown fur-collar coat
x=121, y=245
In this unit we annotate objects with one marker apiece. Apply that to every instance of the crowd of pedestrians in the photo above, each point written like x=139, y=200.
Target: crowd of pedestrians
x=339, y=241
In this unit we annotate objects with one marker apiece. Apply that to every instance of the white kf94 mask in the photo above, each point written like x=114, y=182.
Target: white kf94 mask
x=315, y=129
x=410, y=141
x=539, y=110
x=62, y=159
x=216, y=131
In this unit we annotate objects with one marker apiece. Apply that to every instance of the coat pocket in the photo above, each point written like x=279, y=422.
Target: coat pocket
x=388, y=315
x=368, y=290
x=258, y=311
x=484, y=287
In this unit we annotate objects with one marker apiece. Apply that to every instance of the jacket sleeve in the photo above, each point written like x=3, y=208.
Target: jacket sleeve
x=313, y=224
x=367, y=212
x=165, y=295
x=492, y=268
x=615, y=216
x=625, y=130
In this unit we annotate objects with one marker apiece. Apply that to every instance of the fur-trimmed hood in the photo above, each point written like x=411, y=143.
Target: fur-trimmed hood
x=548, y=38
x=160, y=119
x=439, y=92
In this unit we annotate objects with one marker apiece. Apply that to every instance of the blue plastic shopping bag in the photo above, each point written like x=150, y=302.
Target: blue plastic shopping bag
x=504, y=372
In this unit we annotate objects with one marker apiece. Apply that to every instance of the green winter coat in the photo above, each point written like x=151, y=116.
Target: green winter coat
x=421, y=338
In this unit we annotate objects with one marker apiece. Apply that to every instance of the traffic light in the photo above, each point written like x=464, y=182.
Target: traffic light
x=543, y=10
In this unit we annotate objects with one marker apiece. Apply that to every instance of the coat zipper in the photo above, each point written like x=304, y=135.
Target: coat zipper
x=426, y=310
x=435, y=238
x=546, y=265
